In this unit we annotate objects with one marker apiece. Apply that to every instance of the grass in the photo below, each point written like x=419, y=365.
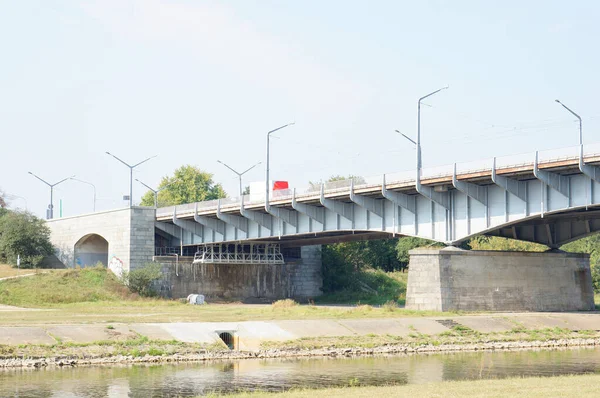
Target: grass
x=137, y=346
x=91, y=295
x=8, y=271
x=64, y=287
x=457, y=335
x=579, y=386
x=374, y=287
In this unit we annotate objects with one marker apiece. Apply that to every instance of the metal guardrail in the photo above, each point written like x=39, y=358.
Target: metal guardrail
x=403, y=177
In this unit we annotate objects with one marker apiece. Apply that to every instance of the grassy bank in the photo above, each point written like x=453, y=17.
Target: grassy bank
x=124, y=341
x=560, y=386
x=458, y=335
x=8, y=271
x=92, y=295
x=137, y=346
x=373, y=287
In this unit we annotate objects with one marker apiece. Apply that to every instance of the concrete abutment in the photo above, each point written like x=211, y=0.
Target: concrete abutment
x=451, y=279
x=300, y=279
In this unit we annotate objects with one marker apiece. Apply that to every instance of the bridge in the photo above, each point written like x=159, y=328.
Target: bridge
x=267, y=247
x=548, y=197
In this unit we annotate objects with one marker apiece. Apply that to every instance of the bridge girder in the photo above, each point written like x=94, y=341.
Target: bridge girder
x=532, y=201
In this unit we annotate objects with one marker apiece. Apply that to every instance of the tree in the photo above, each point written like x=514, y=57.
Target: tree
x=408, y=243
x=3, y=203
x=505, y=244
x=188, y=184
x=23, y=234
x=590, y=245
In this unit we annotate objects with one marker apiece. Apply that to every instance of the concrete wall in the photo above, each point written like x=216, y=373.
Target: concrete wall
x=129, y=233
x=300, y=279
x=454, y=279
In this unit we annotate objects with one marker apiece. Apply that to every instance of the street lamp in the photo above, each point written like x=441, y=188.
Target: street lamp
x=580, y=124
x=418, y=143
x=50, y=214
x=239, y=174
x=405, y=136
x=156, y=191
x=88, y=183
x=267, y=166
x=131, y=174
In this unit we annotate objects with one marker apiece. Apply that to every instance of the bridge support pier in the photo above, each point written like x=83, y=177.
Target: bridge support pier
x=453, y=279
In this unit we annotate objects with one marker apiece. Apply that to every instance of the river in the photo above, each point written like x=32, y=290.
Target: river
x=185, y=380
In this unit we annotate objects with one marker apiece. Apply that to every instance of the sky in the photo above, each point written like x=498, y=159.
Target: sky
x=194, y=82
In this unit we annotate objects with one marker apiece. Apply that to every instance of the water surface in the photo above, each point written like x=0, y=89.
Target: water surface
x=280, y=374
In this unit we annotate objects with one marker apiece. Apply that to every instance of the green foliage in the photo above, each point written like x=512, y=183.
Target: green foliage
x=188, y=184
x=141, y=280
x=2, y=200
x=369, y=286
x=22, y=233
x=504, y=244
x=591, y=246
x=408, y=243
x=89, y=284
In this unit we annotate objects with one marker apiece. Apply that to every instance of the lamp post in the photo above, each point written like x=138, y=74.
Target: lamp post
x=418, y=143
x=267, y=165
x=239, y=174
x=578, y=117
x=50, y=214
x=405, y=136
x=131, y=173
x=88, y=183
x=155, y=191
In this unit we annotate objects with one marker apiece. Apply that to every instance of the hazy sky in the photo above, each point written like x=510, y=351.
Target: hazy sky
x=197, y=81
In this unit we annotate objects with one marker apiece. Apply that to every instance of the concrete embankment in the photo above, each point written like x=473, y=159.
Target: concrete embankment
x=206, y=355
x=48, y=345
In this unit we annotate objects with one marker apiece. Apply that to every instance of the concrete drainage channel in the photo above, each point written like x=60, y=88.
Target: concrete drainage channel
x=229, y=338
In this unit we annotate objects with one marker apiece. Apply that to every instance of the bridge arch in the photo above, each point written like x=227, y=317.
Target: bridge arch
x=90, y=250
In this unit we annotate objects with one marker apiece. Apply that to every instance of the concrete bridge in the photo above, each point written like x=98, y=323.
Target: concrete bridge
x=264, y=247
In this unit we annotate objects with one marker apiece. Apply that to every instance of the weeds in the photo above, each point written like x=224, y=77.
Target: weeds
x=287, y=303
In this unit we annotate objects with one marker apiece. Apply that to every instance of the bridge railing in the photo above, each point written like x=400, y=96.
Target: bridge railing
x=502, y=162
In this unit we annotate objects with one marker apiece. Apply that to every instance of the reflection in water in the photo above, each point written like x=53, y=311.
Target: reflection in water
x=278, y=374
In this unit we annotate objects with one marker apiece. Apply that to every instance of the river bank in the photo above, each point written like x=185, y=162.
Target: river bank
x=104, y=354
x=579, y=386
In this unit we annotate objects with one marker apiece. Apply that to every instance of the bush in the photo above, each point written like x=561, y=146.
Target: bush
x=287, y=303
x=23, y=234
x=141, y=280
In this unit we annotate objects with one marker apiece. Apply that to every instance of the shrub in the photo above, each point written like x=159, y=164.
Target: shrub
x=23, y=234
x=141, y=280
x=390, y=305
x=287, y=303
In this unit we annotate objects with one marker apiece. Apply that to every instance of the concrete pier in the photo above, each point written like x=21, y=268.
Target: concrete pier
x=454, y=279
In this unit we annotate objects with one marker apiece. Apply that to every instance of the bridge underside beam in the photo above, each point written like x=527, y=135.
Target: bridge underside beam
x=555, y=181
x=554, y=230
x=313, y=212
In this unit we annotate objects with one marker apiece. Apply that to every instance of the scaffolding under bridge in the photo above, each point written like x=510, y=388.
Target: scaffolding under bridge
x=253, y=253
